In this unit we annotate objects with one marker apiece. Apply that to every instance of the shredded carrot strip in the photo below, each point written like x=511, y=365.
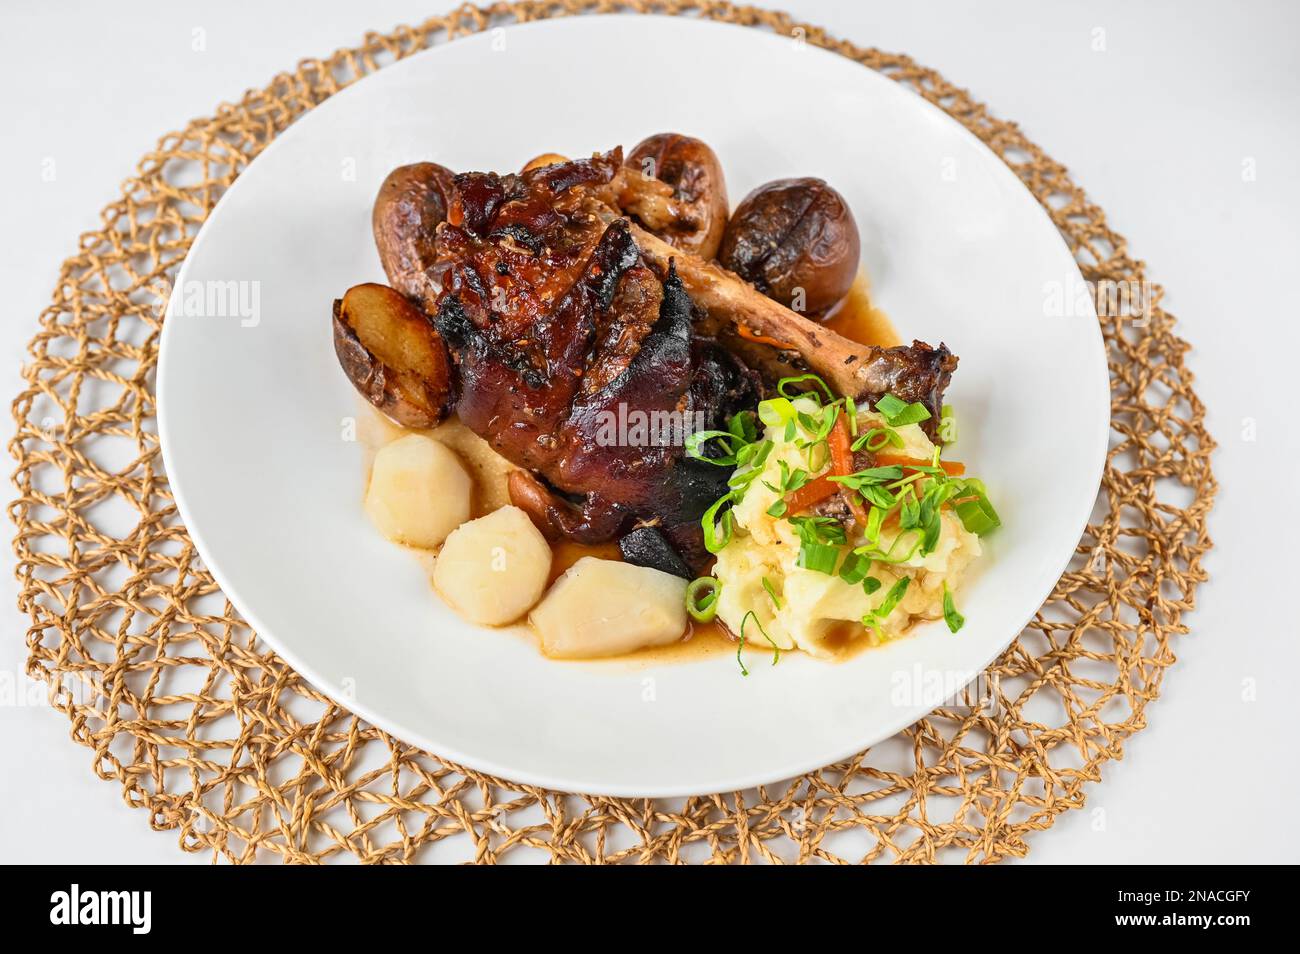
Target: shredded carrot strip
x=810, y=494
x=761, y=339
x=842, y=465
x=952, y=468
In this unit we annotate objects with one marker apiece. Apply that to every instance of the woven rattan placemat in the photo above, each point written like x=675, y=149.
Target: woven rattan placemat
x=217, y=739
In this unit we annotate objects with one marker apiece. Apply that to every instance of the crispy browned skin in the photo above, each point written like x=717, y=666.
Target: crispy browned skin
x=411, y=203
x=560, y=334
x=391, y=353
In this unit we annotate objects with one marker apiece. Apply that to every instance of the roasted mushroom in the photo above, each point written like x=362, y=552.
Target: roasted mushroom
x=410, y=204
x=795, y=241
x=392, y=354
x=692, y=169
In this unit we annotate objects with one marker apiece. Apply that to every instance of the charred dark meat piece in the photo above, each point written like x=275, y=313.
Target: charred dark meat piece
x=577, y=361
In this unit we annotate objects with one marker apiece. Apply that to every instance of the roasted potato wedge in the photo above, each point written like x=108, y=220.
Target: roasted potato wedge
x=392, y=354
x=410, y=204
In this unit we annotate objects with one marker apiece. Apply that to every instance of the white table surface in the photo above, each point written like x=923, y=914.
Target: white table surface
x=1157, y=126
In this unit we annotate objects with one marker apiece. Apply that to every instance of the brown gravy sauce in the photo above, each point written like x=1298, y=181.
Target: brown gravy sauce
x=857, y=318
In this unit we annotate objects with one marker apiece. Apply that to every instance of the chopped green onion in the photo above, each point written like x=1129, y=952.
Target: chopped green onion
x=718, y=531
x=870, y=585
x=695, y=447
x=786, y=382
x=753, y=456
x=775, y=412
x=877, y=439
x=869, y=477
x=975, y=511
x=777, y=509
x=771, y=591
x=954, y=619
x=851, y=409
x=820, y=557
x=887, y=556
x=702, y=598
x=854, y=569
x=898, y=412
x=743, y=427
x=819, y=529
x=875, y=518
x=895, y=596
x=819, y=427
x=776, y=650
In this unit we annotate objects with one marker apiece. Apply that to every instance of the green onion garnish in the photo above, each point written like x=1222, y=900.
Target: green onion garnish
x=695, y=447
x=870, y=476
x=777, y=412
x=771, y=591
x=786, y=382
x=718, y=531
x=743, y=427
x=877, y=439
x=870, y=585
x=820, y=557
x=875, y=517
x=895, y=596
x=702, y=598
x=776, y=650
x=855, y=569
x=974, y=509
x=819, y=529
x=954, y=619
x=898, y=412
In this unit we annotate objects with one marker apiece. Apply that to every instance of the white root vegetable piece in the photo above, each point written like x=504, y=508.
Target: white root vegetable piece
x=419, y=491
x=605, y=607
x=494, y=569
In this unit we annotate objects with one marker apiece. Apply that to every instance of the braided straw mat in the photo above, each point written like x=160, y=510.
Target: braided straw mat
x=216, y=738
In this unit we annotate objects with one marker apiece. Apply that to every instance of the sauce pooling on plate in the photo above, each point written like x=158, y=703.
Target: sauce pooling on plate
x=857, y=318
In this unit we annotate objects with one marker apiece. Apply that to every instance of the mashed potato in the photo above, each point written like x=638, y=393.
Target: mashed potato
x=800, y=608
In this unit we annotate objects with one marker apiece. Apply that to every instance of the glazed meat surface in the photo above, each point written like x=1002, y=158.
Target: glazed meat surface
x=577, y=361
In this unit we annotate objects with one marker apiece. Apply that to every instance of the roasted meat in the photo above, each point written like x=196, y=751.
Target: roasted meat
x=577, y=361
x=584, y=348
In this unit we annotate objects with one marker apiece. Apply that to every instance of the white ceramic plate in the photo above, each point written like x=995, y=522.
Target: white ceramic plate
x=252, y=406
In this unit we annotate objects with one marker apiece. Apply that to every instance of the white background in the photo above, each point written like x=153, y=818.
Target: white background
x=1157, y=126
